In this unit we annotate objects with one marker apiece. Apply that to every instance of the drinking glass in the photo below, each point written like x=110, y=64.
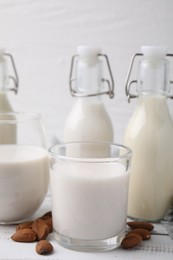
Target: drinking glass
x=24, y=166
x=89, y=187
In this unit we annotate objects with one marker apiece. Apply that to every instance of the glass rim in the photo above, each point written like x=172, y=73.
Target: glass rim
x=14, y=117
x=127, y=154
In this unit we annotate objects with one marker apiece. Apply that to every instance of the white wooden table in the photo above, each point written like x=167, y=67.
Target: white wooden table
x=159, y=247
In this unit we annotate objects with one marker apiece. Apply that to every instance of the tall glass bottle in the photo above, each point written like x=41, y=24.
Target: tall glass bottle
x=88, y=119
x=7, y=134
x=150, y=136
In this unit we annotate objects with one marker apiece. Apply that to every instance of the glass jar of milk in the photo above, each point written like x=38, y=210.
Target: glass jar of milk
x=89, y=195
x=88, y=119
x=24, y=170
x=150, y=136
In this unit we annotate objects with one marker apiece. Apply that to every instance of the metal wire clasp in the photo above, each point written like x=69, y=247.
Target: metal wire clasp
x=15, y=78
x=129, y=83
x=171, y=81
x=110, y=90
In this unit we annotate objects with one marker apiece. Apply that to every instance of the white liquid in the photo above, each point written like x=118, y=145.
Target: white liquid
x=7, y=131
x=150, y=136
x=88, y=121
x=24, y=178
x=4, y=102
x=89, y=201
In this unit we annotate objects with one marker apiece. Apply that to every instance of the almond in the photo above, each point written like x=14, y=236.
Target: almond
x=24, y=235
x=48, y=222
x=47, y=217
x=43, y=247
x=23, y=225
x=47, y=214
x=131, y=241
x=41, y=228
x=143, y=225
x=144, y=233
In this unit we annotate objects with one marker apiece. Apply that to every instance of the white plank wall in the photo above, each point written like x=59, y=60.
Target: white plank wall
x=42, y=35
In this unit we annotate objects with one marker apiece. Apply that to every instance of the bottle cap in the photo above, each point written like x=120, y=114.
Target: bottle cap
x=88, y=51
x=154, y=52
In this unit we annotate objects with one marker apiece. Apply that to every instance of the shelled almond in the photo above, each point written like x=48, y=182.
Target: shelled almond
x=24, y=235
x=40, y=228
x=24, y=225
x=131, y=241
x=43, y=247
x=36, y=230
x=139, y=231
x=139, y=224
x=144, y=233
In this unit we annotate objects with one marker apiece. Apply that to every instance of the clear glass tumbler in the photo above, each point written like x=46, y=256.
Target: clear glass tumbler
x=89, y=194
x=24, y=166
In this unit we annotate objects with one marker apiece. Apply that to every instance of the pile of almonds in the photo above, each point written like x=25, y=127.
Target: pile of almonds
x=40, y=228
x=139, y=231
x=36, y=230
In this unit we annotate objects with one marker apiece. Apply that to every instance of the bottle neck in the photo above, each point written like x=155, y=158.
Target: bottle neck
x=153, y=78
x=3, y=76
x=92, y=99
x=88, y=75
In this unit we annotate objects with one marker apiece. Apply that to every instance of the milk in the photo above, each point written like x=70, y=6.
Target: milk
x=88, y=121
x=4, y=102
x=150, y=136
x=89, y=200
x=7, y=131
x=24, y=178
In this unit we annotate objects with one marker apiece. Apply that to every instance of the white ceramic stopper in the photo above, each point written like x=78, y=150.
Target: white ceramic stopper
x=154, y=52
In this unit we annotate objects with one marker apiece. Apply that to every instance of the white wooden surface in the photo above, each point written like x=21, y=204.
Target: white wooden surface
x=159, y=247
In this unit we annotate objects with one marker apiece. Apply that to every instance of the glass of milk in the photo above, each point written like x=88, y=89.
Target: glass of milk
x=89, y=194
x=24, y=167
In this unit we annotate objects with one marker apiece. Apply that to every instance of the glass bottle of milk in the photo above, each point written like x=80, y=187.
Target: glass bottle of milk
x=88, y=119
x=150, y=136
x=7, y=83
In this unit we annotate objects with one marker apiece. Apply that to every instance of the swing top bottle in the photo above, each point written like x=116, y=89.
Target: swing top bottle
x=149, y=134
x=88, y=119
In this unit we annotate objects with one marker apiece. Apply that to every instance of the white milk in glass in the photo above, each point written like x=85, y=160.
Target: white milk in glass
x=24, y=175
x=89, y=201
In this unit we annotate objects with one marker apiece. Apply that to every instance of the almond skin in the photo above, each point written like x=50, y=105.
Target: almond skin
x=43, y=247
x=27, y=224
x=143, y=225
x=41, y=228
x=47, y=217
x=48, y=222
x=131, y=241
x=24, y=235
x=47, y=214
x=144, y=233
